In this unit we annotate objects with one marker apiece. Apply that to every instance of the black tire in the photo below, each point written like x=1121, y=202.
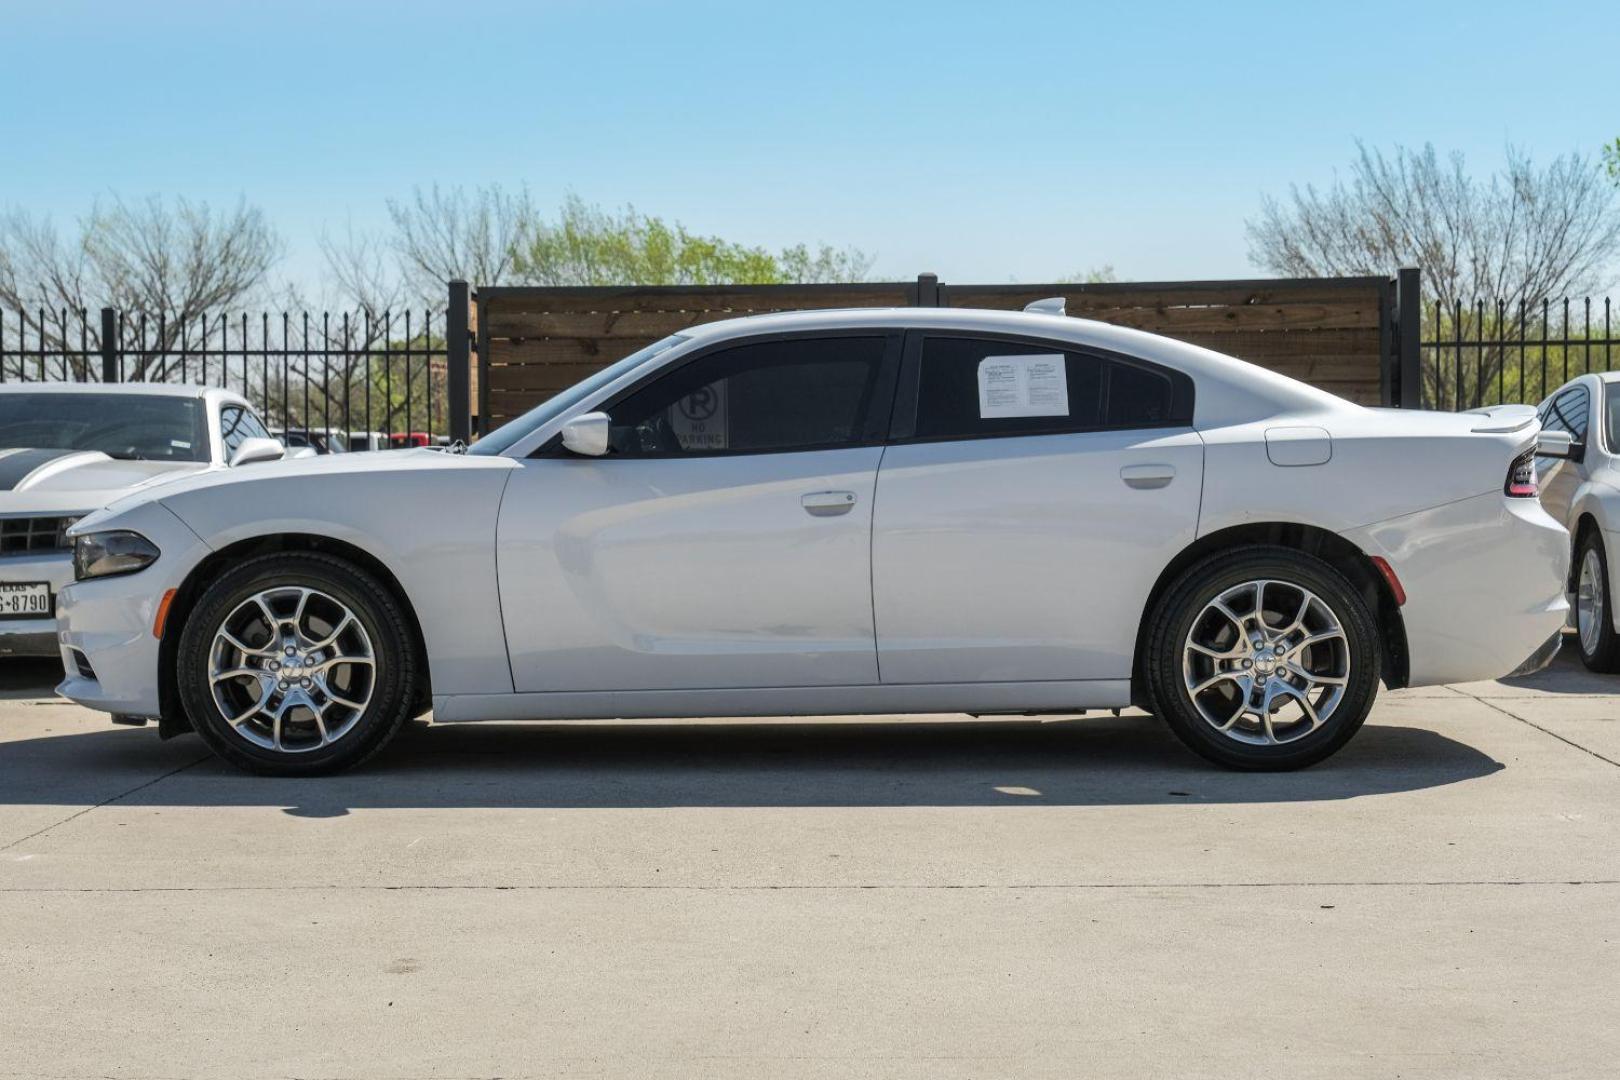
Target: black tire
x=1185, y=603
x=1604, y=654
x=393, y=684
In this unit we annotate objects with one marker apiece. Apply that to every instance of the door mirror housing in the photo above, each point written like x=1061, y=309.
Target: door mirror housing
x=587, y=434
x=1559, y=444
x=257, y=449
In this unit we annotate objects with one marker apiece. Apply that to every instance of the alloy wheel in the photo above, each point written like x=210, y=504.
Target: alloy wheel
x=1266, y=662
x=292, y=669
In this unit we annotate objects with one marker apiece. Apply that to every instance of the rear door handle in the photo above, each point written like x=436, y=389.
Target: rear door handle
x=1147, y=476
x=828, y=503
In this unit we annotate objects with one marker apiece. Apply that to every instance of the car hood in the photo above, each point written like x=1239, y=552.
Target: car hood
x=45, y=480
x=382, y=463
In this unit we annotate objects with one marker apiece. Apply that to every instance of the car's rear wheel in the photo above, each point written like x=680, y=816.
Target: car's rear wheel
x=1594, y=618
x=297, y=664
x=1265, y=658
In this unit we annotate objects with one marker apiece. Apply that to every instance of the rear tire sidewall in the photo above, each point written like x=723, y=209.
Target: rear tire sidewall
x=1186, y=598
x=379, y=615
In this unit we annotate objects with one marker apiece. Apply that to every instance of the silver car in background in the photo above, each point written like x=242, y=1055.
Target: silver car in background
x=1583, y=492
x=67, y=449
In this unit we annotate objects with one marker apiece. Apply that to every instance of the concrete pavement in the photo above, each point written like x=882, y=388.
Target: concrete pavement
x=934, y=897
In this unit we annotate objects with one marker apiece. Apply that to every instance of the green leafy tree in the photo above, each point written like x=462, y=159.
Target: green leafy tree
x=587, y=245
x=1611, y=161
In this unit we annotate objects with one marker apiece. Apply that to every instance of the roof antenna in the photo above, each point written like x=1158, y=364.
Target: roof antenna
x=1052, y=305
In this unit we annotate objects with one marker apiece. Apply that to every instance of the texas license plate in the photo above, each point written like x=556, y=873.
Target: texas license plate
x=28, y=600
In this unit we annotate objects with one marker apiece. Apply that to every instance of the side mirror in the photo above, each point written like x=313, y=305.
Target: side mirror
x=257, y=449
x=587, y=434
x=1559, y=444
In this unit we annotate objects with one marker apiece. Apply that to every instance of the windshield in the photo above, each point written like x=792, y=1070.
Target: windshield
x=130, y=426
x=515, y=429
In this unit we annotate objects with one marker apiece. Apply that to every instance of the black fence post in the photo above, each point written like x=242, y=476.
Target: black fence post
x=458, y=360
x=109, y=345
x=1409, y=331
x=926, y=292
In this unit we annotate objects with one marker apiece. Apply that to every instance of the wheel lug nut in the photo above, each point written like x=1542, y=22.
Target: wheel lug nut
x=274, y=665
x=1280, y=650
x=303, y=682
x=281, y=685
x=1248, y=663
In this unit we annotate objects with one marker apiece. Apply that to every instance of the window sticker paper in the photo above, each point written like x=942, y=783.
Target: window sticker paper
x=1036, y=385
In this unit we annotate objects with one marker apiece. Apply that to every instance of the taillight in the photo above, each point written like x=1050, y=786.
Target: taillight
x=1521, y=477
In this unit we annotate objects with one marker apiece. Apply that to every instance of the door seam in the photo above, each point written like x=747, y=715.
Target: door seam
x=871, y=563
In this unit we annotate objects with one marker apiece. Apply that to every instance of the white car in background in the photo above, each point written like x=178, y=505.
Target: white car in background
x=67, y=449
x=1583, y=492
x=864, y=511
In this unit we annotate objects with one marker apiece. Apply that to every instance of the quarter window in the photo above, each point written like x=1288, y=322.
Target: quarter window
x=804, y=394
x=968, y=387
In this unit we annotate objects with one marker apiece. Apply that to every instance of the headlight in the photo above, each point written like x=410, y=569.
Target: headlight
x=104, y=554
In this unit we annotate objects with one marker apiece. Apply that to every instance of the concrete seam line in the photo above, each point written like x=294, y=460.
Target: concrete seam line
x=105, y=802
x=1078, y=887
x=1568, y=742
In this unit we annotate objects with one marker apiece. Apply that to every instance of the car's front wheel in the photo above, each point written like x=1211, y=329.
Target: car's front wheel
x=1594, y=620
x=1265, y=658
x=297, y=664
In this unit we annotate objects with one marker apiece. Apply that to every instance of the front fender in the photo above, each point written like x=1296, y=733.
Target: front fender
x=433, y=529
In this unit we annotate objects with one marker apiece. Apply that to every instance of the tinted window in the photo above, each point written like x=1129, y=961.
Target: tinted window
x=1569, y=411
x=237, y=424
x=136, y=426
x=972, y=387
x=807, y=394
x=1138, y=397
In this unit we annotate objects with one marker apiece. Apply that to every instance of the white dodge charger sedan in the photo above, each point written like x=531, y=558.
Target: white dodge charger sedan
x=864, y=511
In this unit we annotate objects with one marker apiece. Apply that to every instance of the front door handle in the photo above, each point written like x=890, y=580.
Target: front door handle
x=828, y=503
x=1147, y=476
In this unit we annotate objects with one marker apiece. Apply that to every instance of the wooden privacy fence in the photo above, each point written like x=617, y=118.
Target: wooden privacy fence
x=1342, y=334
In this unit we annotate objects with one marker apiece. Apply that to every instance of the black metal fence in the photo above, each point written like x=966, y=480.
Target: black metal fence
x=1490, y=353
x=382, y=375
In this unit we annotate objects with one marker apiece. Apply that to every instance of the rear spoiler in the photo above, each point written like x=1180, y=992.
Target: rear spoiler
x=1500, y=419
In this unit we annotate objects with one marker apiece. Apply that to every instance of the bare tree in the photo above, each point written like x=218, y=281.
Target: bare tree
x=440, y=235
x=1522, y=235
x=169, y=263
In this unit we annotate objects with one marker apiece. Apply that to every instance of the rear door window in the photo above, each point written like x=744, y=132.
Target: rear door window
x=968, y=387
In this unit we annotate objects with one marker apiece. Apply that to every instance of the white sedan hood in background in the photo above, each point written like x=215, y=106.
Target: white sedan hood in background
x=44, y=480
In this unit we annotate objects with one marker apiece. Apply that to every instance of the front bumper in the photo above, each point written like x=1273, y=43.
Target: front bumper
x=34, y=636
x=109, y=621
x=1484, y=580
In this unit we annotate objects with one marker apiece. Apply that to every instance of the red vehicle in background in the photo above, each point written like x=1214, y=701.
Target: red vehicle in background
x=400, y=440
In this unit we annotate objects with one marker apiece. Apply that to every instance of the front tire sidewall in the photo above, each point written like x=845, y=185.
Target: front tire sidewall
x=1186, y=598
x=377, y=613
x=1605, y=658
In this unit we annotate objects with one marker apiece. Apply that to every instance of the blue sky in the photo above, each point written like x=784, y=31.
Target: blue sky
x=983, y=141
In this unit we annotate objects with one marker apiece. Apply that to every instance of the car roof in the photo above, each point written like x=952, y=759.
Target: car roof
x=176, y=390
